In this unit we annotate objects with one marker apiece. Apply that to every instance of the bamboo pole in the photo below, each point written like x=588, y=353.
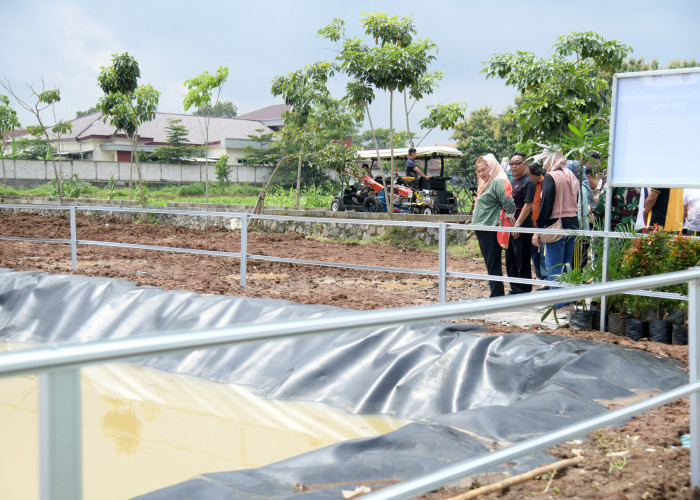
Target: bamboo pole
x=521, y=478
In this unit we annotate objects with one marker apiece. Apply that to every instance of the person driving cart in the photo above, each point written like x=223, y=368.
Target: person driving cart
x=412, y=169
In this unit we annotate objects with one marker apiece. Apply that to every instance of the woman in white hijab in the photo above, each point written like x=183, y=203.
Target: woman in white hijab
x=494, y=194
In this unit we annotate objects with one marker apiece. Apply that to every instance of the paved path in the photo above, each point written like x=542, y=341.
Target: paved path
x=526, y=317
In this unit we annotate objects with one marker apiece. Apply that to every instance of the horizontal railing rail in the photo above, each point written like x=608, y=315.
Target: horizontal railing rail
x=441, y=273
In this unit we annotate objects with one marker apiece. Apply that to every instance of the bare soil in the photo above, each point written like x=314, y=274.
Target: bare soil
x=641, y=459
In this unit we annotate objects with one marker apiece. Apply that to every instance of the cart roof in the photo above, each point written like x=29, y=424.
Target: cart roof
x=421, y=152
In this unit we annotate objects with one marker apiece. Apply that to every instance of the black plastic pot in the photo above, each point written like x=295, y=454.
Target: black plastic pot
x=616, y=324
x=660, y=331
x=679, y=335
x=595, y=313
x=636, y=329
x=581, y=320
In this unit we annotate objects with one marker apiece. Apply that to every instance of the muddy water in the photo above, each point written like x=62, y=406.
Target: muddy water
x=144, y=429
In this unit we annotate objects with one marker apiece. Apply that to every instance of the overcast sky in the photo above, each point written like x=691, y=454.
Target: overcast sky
x=65, y=43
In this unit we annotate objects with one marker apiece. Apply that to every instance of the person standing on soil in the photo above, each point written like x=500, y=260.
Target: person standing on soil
x=519, y=247
x=559, y=201
x=491, y=199
x=537, y=253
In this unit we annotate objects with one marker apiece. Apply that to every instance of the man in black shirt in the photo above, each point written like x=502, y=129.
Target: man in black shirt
x=519, y=246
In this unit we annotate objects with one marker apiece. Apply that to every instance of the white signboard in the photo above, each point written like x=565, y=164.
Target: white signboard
x=656, y=129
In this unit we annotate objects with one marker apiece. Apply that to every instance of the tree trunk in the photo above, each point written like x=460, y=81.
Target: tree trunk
x=4, y=178
x=135, y=154
x=59, y=185
x=390, y=195
x=206, y=158
x=408, y=125
x=301, y=154
x=376, y=146
x=261, y=197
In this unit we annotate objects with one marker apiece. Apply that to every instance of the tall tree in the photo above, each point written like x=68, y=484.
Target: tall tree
x=201, y=90
x=44, y=99
x=127, y=105
x=482, y=132
x=557, y=89
x=395, y=63
x=8, y=123
x=303, y=91
x=223, y=109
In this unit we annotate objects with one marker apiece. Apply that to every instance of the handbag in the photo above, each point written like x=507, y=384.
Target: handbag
x=551, y=238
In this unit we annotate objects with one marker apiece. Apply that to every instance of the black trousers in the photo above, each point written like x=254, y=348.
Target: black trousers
x=491, y=251
x=518, y=261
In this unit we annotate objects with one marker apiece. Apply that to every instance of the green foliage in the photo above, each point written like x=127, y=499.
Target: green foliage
x=311, y=197
x=483, y=132
x=201, y=88
x=33, y=149
x=554, y=90
x=223, y=109
x=223, y=171
x=366, y=141
x=194, y=189
x=72, y=187
x=443, y=116
x=8, y=119
x=266, y=150
x=126, y=105
x=178, y=149
x=80, y=114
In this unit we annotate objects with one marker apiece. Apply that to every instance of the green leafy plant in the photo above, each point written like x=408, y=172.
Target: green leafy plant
x=223, y=171
x=73, y=187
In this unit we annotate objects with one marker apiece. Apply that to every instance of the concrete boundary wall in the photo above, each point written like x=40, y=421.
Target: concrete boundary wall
x=333, y=230
x=33, y=172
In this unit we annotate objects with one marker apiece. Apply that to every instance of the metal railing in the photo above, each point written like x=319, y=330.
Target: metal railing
x=59, y=368
x=245, y=218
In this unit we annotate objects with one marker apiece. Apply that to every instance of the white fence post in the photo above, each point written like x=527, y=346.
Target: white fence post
x=60, y=438
x=694, y=376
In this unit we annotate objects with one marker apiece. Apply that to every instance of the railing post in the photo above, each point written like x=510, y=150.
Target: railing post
x=442, y=262
x=693, y=376
x=73, y=240
x=60, y=438
x=244, y=246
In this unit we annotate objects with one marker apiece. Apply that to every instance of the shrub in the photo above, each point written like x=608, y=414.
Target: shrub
x=196, y=189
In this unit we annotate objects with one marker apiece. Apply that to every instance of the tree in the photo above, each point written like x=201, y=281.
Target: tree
x=223, y=109
x=223, y=172
x=80, y=114
x=201, y=89
x=266, y=150
x=178, y=149
x=396, y=63
x=44, y=99
x=381, y=135
x=481, y=133
x=8, y=123
x=304, y=91
x=126, y=104
x=553, y=91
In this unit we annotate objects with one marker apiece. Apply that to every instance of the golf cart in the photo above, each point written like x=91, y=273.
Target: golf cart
x=421, y=196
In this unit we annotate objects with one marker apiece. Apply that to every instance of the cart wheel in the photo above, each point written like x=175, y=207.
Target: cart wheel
x=428, y=211
x=371, y=204
x=336, y=206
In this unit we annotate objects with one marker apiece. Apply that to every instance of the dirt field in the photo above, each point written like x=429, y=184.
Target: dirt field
x=642, y=459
